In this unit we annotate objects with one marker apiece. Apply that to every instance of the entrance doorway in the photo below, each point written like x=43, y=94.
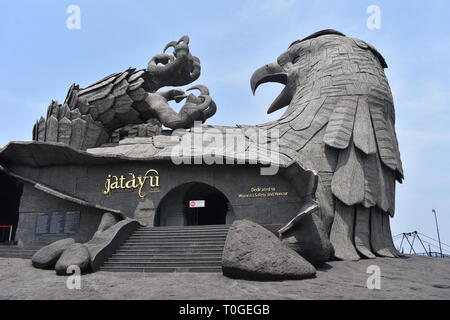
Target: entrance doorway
x=215, y=210
x=10, y=194
x=174, y=209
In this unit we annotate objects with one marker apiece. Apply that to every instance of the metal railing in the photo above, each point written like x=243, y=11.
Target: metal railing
x=433, y=254
x=408, y=242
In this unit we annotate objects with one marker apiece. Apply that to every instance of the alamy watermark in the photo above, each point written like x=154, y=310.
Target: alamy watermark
x=73, y=282
x=209, y=145
x=374, y=19
x=374, y=280
x=73, y=22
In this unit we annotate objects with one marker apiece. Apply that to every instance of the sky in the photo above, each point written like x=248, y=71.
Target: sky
x=41, y=58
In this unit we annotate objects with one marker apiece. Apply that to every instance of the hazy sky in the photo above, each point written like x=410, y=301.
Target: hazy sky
x=41, y=58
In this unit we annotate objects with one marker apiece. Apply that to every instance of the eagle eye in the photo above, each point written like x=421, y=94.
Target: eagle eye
x=295, y=60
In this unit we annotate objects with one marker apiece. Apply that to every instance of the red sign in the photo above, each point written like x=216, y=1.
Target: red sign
x=197, y=204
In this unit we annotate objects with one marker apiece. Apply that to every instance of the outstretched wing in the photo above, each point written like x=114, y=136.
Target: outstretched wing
x=88, y=115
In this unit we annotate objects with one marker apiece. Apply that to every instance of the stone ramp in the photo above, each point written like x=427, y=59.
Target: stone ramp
x=14, y=251
x=171, y=249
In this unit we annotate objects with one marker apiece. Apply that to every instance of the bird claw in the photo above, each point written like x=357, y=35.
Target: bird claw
x=179, y=98
x=180, y=46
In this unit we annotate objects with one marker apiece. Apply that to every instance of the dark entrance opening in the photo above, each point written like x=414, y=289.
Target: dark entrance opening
x=215, y=210
x=10, y=194
x=174, y=209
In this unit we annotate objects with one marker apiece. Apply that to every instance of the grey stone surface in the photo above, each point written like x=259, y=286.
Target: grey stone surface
x=325, y=199
x=47, y=256
x=342, y=232
x=131, y=132
x=348, y=179
x=108, y=220
x=145, y=213
x=40, y=129
x=52, y=129
x=387, y=236
x=254, y=253
x=103, y=244
x=338, y=132
x=78, y=133
x=340, y=107
x=362, y=232
x=74, y=255
x=64, y=130
x=87, y=181
x=379, y=244
x=364, y=136
x=130, y=98
x=34, y=201
x=309, y=239
x=341, y=280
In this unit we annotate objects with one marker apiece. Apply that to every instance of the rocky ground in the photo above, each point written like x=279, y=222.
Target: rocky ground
x=408, y=278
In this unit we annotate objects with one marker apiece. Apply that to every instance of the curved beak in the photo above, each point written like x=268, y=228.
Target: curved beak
x=269, y=73
x=272, y=72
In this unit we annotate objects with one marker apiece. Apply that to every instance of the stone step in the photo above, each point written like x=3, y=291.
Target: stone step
x=16, y=248
x=183, y=243
x=180, y=234
x=168, y=259
x=161, y=269
x=175, y=232
x=17, y=255
x=169, y=251
x=169, y=247
x=181, y=231
x=145, y=242
x=185, y=228
x=194, y=255
x=174, y=264
x=204, y=227
x=181, y=240
x=13, y=251
x=177, y=241
x=181, y=237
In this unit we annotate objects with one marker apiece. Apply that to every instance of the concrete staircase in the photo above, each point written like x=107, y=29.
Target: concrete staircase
x=171, y=249
x=14, y=251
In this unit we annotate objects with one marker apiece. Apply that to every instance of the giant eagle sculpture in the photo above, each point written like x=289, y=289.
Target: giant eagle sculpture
x=340, y=122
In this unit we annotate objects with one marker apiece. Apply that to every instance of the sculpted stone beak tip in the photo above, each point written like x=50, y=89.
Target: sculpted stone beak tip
x=283, y=100
x=272, y=72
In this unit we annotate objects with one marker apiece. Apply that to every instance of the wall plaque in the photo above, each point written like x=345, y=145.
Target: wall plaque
x=58, y=223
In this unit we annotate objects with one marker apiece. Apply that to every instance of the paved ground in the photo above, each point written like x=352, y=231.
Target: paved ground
x=411, y=278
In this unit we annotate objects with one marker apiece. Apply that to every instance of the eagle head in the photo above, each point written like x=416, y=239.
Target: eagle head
x=298, y=65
